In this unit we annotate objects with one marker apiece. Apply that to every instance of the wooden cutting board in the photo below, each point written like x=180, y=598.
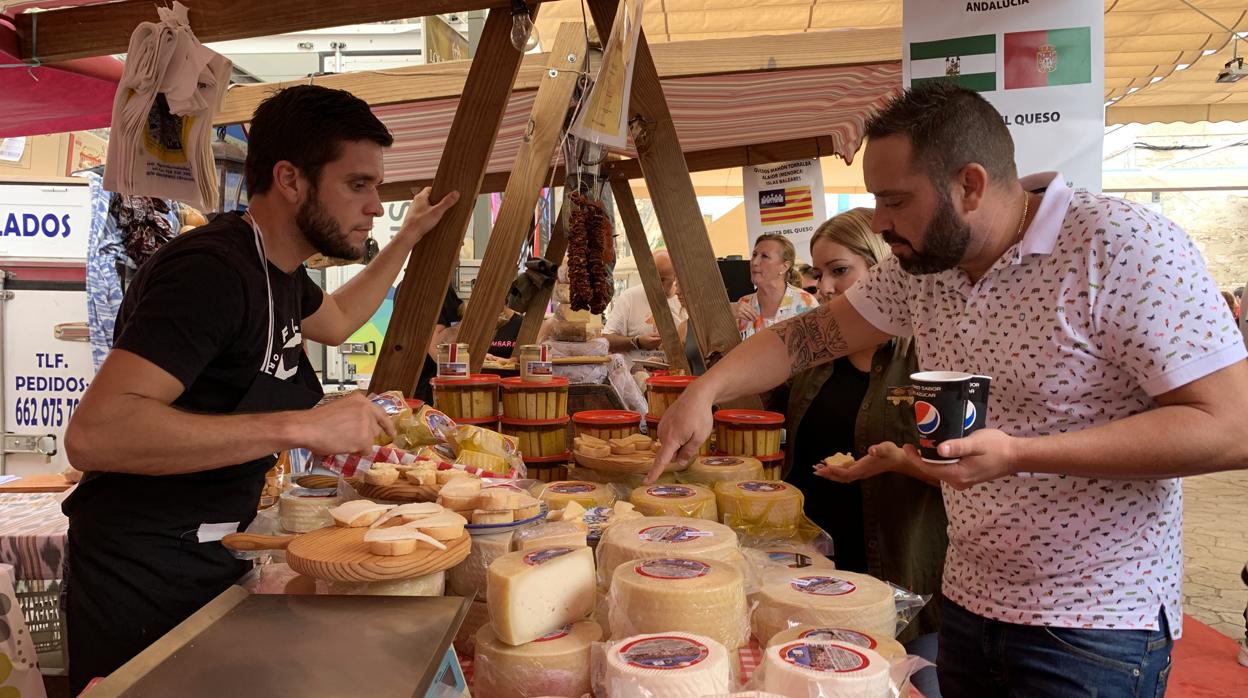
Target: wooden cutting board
x=623, y=465
x=400, y=491
x=340, y=554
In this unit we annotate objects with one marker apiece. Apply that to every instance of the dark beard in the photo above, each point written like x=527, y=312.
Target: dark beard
x=945, y=241
x=322, y=231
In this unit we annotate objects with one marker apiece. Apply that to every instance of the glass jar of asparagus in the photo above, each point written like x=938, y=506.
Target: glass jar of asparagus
x=748, y=432
x=453, y=360
x=539, y=438
x=652, y=430
x=531, y=400
x=473, y=397
x=607, y=424
x=662, y=391
x=535, y=363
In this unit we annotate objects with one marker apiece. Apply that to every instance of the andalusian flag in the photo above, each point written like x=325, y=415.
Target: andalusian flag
x=970, y=61
x=1046, y=58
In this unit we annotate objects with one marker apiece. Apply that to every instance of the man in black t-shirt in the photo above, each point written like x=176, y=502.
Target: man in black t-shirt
x=208, y=378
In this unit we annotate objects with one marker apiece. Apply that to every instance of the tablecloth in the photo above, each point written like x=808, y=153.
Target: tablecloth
x=33, y=532
x=19, y=665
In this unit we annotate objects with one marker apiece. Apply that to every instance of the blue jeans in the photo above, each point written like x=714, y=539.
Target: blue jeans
x=983, y=657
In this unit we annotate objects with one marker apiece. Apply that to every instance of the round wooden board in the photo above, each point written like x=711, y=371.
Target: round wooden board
x=625, y=465
x=340, y=554
x=400, y=491
x=317, y=482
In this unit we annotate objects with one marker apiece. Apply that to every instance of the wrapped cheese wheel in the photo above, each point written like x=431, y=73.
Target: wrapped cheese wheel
x=693, y=501
x=468, y=577
x=760, y=504
x=793, y=556
x=699, y=596
x=888, y=648
x=835, y=599
x=651, y=537
x=300, y=510
x=556, y=664
x=672, y=665
x=466, y=639
x=712, y=470
x=821, y=668
x=428, y=585
x=587, y=494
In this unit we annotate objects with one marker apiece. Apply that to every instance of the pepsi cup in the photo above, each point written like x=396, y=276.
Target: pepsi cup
x=947, y=405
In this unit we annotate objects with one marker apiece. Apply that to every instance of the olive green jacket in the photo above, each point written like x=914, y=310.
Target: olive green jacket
x=903, y=518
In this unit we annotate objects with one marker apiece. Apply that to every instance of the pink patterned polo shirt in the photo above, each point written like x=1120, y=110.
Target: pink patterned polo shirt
x=1101, y=306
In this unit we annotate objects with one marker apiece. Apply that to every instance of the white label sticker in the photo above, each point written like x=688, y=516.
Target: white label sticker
x=213, y=532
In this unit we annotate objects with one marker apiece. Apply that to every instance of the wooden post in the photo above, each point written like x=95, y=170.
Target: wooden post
x=675, y=203
x=463, y=164
x=536, y=312
x=532, y=164
x=649, y=271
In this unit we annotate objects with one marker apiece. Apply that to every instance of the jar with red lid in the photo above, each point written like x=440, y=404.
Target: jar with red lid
x=753, y=433
x=472, y=398
x=607, y=424
x=773, y=466
x=662, y=391
x=535, y=400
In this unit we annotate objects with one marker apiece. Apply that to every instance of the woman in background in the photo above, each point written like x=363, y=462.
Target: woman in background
x=777, y=296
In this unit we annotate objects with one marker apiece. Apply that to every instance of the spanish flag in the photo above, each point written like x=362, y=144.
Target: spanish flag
x=1048, y=57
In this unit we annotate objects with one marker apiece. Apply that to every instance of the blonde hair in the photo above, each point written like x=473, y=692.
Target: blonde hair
x=788, y=253
x=852, y=230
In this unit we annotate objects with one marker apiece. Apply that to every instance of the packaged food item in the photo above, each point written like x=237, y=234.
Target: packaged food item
x=712, y=470
x=587, y=494
x=535, y=362
x=693, y=501
x=662, y=391
x=554, y=665
x=531, y=400
x=453, y=360
x=300, y=510
x=535, y=592
x=672, y=665
x=748, y=432
x=888, y=648
x=757, y=505
x=652, y=537
x=607, y=424
x=425, y=427
x=275, y=480
x=474, y=397
x=685, y=594
x=539, y=438
x=837, y=599
x=467, y=437
x=818, y=668
x=396, y=407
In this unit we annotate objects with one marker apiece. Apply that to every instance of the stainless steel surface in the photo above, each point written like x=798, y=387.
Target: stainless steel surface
x=323, y=646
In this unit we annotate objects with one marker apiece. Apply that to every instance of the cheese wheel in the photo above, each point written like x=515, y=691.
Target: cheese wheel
x=823, y=668
x=672, y=665
x=711, y=470
x=587, y=494
x=888, y=648
x=690, y=595
x=300, y=510
x=693, y=501
x=651, y=537
x=557, y=534
x=468, y=577
x=534, y=592
x=556, y=664
x=466, y=638
x=759, y=504
x=428, y=585
x=793, y=556
x=835, y=599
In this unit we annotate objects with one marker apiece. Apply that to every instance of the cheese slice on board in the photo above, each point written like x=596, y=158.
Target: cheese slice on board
x=691, y=595
x=671, y=665
x=825, y=668
x=534, y=592
x=556, y=664
x=835, y=599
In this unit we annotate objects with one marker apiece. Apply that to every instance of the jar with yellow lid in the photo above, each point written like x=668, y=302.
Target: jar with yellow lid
x=539, y=438
x=534, y=361
x=469, y=398
x=753, y=433
x=453, y=360
x=535, y=400
x=662, y=391
x=607, y=424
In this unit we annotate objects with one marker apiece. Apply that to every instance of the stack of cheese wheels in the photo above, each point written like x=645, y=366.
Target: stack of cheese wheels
x=466, y=639
x=703, y=597
x=759, y=504
x=653, y=537
x=693, y=501
x=535, y=592
x=835, y=599
x=712, y=470
x=824, y=668
x=468, y=577
x=428, y=585
x=672, y=665
x=300, y=510
x=587, y=494
x=555, y=664
x=888, y=648
x=793, y=556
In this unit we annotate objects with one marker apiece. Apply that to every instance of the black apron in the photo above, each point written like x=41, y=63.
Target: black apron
x=134, y=566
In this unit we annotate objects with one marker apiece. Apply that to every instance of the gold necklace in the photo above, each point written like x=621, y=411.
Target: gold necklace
x=1018, y=235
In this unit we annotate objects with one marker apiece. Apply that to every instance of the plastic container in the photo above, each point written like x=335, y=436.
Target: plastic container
x=662, y=391
x=490, y=423
x=453, y=360
x=554, y=469
x=773, y=466
x=607, y=424
x=535, y=400
x=652, y=430
x=752, y=433
x=539, y=438
x=474, y=397
x=535, y=363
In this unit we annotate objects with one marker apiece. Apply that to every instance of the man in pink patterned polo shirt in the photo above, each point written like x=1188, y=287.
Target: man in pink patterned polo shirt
x=1117, y=369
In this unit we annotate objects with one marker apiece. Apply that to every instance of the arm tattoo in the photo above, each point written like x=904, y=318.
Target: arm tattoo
x=811, y=338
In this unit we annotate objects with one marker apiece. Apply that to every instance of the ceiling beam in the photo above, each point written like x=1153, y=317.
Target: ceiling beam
x=96, y=30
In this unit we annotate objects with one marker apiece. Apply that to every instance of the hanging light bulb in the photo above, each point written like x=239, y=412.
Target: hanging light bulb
x=523, y=34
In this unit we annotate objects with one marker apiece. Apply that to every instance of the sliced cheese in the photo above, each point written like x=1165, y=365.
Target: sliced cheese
x=358, y=513
x=888, y=648
x=760, y=505
x=499, y=516
x=410, y=512
x=712, y=470
x=446, y=525
x=691, y=595
x=467, y=579
x=587, y=494
x=693, y=501
x=672, y=665
x=653, y=537
x=399, y=533
x=462, y=486
x=555, y=665
x=534, y=592
x=499, y=498
x=573, y=512
x=835, y=599
x=824, y=668
x=301, y=510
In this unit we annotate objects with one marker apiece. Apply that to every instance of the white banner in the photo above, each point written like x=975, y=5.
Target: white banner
x=785, y=198
x=1041, y=64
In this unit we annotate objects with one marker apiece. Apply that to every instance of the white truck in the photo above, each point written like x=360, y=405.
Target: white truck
x=45, y=355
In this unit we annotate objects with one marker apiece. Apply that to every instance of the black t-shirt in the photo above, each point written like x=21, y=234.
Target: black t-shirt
x=825, y=429
x=504, y=342
x=447, y=316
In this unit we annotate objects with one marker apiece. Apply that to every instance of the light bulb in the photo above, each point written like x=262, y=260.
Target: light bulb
x=523, y=34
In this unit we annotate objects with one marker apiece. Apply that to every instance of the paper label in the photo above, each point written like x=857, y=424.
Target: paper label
x=572, y=488
x=722, y=462
x=852, y=637
x=823, y=586
x=213, y=532
x=760, y=486
x=539, y=368
x=826, y=658
x=541, y=557
x=672, y=534
x=664, y=653
x=453, y=370
x=670, y=492
x=670, y=568
x=556, y=634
